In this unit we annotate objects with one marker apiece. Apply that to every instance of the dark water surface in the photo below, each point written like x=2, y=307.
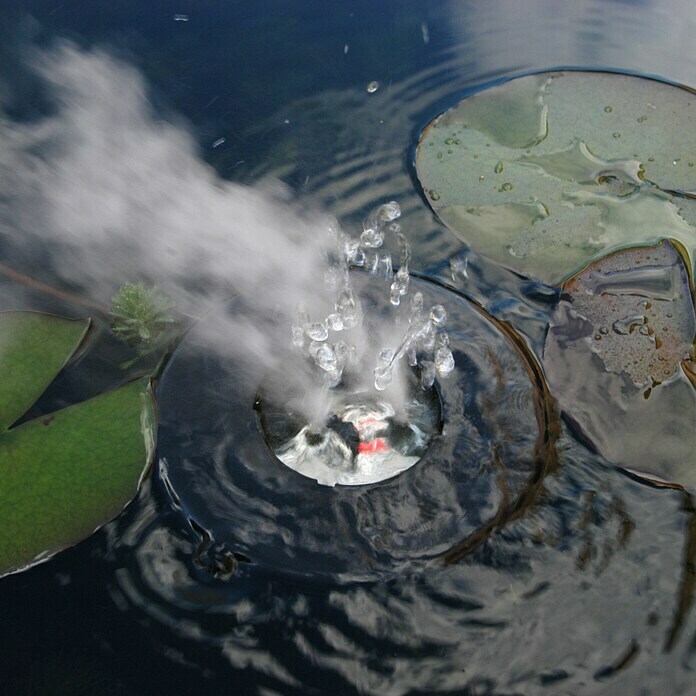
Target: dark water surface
x=587, y=592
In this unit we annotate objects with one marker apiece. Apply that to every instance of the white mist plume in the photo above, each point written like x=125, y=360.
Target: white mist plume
x=111, y=194
x=121, y=196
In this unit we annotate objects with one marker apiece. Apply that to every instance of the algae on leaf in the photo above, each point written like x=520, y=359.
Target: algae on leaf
x=64, y=474
x=619, y=357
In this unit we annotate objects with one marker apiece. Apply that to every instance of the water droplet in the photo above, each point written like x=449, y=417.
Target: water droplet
x=386, y=355
x=482, y=178
x=383, y=377
x=651, y=159
x=347, y=308
x=608, y=109
x=691, y=164
x=507, y=186
x=449, y=141
x=642, y=119
x=372, y=237
x=498, y=167
x=425, y=33
x=427, y=374
x=325, y=357
x=373, y=87
x=181, y=18
x=444, y=360
x=476, y=156
x=603, y=330
x=317, y=330
x=616, y=135
x=400, y=285
x=438, y=315
x=389, y=211
x=434, y=195
x=439, y=155
x=416, y=305
x=343, y=353
x=385, y=263
x=334, y=322
x=426, y=336
x=627, y=325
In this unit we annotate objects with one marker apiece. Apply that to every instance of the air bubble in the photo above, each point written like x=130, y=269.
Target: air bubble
x=373, y=87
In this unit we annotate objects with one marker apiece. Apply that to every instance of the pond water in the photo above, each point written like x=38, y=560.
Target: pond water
x=587, y=591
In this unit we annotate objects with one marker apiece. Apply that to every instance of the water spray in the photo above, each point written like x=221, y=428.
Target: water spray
x=363, y=430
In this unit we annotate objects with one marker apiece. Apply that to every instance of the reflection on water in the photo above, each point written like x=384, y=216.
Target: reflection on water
x=587, y=592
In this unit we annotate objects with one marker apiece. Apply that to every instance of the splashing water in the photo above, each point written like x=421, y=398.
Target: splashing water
x=423, y=341
x=201, y=239
x=374, y=417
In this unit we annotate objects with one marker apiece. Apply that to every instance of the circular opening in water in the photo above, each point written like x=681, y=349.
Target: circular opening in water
x=364, y=439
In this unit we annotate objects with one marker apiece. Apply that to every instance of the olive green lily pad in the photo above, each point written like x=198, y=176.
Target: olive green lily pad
x=619, y=358
x=548, y=172
x=34, y=348
x=65, y=474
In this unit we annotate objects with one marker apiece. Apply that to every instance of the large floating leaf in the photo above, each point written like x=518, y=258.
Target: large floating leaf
x=548, y=172
x=619, y=357
x=65, y=474
x=34, y=348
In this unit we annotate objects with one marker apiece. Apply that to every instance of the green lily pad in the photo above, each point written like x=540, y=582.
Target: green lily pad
x=548, y=172
x=619, y=358
x=65, y=474
x=34, y=348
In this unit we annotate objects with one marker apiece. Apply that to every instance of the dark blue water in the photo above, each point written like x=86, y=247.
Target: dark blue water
x=587, y=592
